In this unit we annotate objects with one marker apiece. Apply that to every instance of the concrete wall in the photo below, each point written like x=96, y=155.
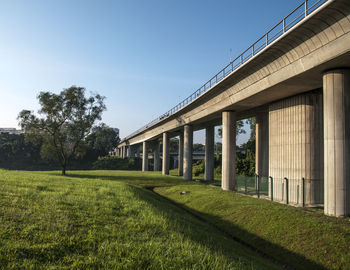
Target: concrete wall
x=296, y=148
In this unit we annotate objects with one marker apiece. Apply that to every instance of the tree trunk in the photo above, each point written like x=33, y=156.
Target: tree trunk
x=64, y=170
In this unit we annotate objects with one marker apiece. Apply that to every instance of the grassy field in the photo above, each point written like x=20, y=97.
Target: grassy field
x=94, y=220
x=301, y=238
x=111, y=220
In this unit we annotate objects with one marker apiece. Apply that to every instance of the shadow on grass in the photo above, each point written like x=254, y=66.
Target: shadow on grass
x=201, y=232
x=281, y=256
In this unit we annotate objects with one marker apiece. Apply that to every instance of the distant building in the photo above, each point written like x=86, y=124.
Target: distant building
x=11, y=130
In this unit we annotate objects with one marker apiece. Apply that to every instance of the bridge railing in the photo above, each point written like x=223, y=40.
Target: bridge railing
x=300, y=13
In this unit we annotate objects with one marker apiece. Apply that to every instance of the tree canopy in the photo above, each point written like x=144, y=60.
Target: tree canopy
x=64, y=121
x=102, y=139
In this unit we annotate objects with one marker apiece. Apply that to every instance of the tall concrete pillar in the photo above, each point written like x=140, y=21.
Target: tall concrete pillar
x=123, y=151
x=209, y=154
x=228, y=150
x=296, y=148
x=188, y=147
x=145, y=156
x=156, y=161
x=181, y=155
x=128, y=151
x=336, y=102
x=166, y=154
x=262, y=144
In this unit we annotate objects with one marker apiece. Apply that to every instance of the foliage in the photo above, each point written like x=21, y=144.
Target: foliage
x=245, y=161
x=198, y=147
x=218, y=147
x=251, y=122
x=102, y=139
x=174, y=145
x=116, y=163
x=66, y=119
x=239, y=128
x=16, y=153
x=198, y=167
x=218, y=171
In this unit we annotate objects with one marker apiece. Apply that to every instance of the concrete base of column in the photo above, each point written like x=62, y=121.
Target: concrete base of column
x=228, y=181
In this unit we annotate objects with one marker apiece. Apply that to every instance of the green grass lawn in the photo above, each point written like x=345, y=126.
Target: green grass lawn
x=108, y=219
x=103, y=219
x=301, y=238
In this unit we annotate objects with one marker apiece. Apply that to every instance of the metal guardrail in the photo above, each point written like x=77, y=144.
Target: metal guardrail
x=297, y=15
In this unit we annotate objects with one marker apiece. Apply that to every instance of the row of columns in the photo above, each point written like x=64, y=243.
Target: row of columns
x=184, y=153
x=336, y=143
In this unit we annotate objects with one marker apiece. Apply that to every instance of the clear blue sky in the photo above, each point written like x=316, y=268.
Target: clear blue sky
x=144, y=56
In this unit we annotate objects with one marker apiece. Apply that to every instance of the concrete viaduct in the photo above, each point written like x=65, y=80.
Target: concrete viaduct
x=296, y=81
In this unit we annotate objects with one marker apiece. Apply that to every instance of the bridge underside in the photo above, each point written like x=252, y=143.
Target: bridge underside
x=299, y=91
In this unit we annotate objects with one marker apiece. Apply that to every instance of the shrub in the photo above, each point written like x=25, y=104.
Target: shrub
x=110, y=163
x=198, y=167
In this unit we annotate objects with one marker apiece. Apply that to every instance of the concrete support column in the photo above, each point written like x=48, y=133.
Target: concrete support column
x=336, y=102
x=181, y=155
x=296, y=149
x=128, y=151
x=188, y=146
x=123, y=151
x=228, y=150
x=166, y=154
x=145, y=156
x=209, y=154
x=156, y=161
x=262, y=144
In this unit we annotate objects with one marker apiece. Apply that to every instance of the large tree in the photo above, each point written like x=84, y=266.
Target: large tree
x=64, y=121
